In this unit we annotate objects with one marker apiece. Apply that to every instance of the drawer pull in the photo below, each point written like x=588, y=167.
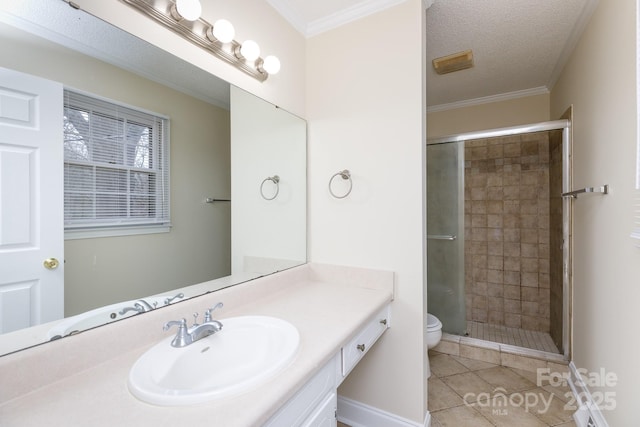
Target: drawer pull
x=360, y=347
x=384, y=322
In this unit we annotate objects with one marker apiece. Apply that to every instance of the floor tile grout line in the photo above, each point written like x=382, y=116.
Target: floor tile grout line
x=560, y=420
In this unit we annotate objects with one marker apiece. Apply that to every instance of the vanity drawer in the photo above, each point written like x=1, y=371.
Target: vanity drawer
x=359, y=345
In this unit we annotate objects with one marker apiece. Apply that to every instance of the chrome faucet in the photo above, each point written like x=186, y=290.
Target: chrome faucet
x=136, y=307
x=186, y=336
x=168, y=300
x=140, y=306
x=147, y=306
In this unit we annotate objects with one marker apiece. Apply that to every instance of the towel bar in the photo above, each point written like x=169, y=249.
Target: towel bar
x=604, y=189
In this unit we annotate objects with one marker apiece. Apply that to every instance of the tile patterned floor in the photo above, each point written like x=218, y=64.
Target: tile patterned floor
x=519, y=337
x=471, y=393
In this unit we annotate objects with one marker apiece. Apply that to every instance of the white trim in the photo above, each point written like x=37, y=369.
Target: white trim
x=350, y=14
x=93, y=233
x=587, y=407
x=334, y=20
x=115, y=102
x=357, y=414
x=542, y=90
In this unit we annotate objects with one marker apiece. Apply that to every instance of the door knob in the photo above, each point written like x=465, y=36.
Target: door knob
x=51, y=263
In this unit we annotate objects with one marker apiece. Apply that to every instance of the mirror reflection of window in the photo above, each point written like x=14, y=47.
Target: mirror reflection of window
x=116, y=161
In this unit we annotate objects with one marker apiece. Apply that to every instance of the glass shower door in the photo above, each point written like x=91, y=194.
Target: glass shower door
x=445, y=235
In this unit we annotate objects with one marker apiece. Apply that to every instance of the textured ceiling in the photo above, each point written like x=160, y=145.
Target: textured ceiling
x=519, y=46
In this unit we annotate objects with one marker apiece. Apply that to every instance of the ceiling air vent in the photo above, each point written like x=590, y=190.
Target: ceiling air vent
x=454, y=62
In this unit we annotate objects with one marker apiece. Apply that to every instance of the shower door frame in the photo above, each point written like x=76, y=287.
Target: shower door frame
x=567, y=224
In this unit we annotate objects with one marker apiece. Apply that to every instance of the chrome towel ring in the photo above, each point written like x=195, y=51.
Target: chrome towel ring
x=345, y=174
x=276, y=180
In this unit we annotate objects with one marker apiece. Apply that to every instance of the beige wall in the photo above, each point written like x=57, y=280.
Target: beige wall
x=599, y=80
x=107, y=270
x=513, y=112
x=366, y=115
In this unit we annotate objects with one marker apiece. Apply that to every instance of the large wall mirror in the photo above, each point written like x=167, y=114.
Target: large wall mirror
x=231, y=220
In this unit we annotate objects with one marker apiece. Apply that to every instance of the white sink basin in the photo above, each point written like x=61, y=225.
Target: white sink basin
x=246, y=352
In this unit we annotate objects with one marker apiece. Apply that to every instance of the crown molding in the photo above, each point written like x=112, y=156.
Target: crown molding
x=542, y=90
x=334, y=20
x=350, y=14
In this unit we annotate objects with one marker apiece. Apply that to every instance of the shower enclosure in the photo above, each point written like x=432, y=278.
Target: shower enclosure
x=445, y=238
x=497, y=235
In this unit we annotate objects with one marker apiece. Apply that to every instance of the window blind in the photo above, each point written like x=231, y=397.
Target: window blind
x=116, y=165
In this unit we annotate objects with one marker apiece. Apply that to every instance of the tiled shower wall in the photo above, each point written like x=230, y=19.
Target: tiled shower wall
x=507, y=231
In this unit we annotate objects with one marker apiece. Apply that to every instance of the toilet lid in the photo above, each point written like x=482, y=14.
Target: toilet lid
x=433, y=322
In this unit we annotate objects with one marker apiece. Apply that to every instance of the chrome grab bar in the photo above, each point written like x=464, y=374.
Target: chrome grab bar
x=441, y=237
x=604, y=189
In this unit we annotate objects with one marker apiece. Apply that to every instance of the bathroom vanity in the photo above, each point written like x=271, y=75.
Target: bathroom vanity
x=339, y=312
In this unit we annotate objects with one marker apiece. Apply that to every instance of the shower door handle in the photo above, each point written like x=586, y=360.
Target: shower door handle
x=441, y=237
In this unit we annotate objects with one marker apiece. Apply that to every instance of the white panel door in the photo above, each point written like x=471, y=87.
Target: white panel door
x=31, y=201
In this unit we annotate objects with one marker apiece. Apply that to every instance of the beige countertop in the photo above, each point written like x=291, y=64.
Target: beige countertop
x=327, y=304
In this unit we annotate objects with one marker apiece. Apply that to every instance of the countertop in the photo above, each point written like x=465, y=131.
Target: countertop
x=327, y=305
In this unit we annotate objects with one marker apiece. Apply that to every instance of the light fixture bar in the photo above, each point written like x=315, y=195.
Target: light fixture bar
x=196, y=32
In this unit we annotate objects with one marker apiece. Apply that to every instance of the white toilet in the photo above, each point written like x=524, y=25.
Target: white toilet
x=434, y=331
x=434, y=334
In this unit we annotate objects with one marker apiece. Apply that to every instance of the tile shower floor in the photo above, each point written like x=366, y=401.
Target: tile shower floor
x=470, y=393
x=519, y=337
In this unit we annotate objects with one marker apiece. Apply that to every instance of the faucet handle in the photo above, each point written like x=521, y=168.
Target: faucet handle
x=179, y=323
x=195, y=318
x=168, y=300
x=207, y=314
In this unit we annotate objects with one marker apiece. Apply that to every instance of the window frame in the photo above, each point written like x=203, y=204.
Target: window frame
x=161, y=223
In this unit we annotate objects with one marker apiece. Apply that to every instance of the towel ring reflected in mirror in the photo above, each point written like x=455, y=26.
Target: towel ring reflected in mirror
x=346, y=175
x=276, y=181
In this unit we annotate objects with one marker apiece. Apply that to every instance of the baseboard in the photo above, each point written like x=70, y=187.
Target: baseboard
x=588, y=413
x=356, y=414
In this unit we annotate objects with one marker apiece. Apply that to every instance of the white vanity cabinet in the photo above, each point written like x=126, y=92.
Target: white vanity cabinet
x=360, y=344
x=315, y=404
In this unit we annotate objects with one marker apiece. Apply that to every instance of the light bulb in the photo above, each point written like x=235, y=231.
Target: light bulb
x=250, y=50
x=189, y=9
x=223, y=31
x=271, y=64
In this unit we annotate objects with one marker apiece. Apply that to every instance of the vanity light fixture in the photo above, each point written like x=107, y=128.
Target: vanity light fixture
x=221, y=31
x=270, y=65
x=188, y=9
x=183, y=18
x=249, y=50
